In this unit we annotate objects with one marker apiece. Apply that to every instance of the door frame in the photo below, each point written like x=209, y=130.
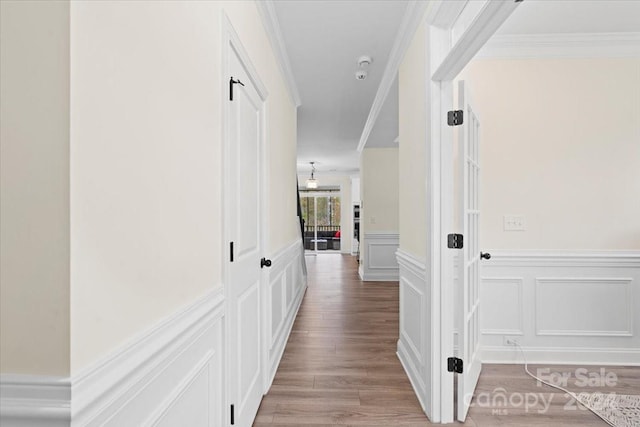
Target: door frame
x=456, y=31
x=231, y=44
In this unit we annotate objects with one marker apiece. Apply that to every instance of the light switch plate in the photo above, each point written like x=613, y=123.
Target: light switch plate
x=514, y=223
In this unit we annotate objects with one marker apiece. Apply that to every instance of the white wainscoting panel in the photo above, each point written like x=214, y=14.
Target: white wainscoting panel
x=414, y=321
x=509, y=320
x=27, y=400
x=172, y=372
x=287, y=283
x=590, y=306
x=380, y=263
x=562, y=307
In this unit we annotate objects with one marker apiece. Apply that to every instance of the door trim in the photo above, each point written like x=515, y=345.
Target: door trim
x=447, y=59
x=231, y=44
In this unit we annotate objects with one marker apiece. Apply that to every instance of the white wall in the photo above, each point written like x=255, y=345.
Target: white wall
x=413, y=138
x=34, y=188
x=111, y=209
x=379, y=189
x=146, y=161
x=379, y=211
x=556, y=148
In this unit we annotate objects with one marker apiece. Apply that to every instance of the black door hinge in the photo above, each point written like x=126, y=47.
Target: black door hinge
x=233, y=416
x=455, y=117
x=231, y=251
x=232, y=82
x=454, y=365
x=454, y=241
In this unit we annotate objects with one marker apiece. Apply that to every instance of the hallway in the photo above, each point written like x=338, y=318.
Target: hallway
x=340, y=365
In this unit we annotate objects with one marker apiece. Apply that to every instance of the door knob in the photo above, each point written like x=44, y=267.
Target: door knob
x=485, y=255
x=265, y=263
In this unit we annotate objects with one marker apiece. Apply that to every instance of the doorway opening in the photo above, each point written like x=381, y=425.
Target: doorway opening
x=321, y=211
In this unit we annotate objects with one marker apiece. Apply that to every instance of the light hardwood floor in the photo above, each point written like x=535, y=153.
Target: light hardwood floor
x=340, y=366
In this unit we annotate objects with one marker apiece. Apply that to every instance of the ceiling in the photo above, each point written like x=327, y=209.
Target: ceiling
x=324, y=39
x=573, y=16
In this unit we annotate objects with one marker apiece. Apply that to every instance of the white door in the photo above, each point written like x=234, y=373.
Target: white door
x=468, y=304
x=243, y=228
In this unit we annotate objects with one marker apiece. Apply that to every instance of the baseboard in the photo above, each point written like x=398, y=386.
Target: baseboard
x=414, y=376
x=160, y=375
x=30, y=400
x=390, y=276
x=562, y=356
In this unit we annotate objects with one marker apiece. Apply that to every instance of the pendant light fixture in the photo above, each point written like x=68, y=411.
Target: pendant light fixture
x=312, y=183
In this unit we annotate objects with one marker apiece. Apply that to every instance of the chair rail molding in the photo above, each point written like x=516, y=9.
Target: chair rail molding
x=173, y=370
x=35, y=400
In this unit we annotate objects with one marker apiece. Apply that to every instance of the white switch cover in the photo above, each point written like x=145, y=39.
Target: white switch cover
x=514, y=223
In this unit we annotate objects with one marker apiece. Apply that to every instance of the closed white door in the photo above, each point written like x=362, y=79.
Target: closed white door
x=243, y=227
x=468, y=304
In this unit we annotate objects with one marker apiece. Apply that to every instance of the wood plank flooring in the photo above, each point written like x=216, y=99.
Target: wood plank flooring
x=340, y=365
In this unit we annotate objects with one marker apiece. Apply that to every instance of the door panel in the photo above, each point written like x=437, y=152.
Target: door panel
x=243, y=224
x=468, y=303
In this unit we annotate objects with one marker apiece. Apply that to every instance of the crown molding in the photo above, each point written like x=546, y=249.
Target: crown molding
x=410, y=21
x=271, y=25
x=576, y=45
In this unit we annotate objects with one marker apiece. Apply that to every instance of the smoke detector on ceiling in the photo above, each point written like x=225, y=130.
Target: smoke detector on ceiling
x=364, y=61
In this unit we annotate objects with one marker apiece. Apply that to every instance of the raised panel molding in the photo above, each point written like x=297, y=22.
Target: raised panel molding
x=379, y=262
x=147, y=381
x=287, y=283
x=576, y=307
x=509, y=320
x=137, y=382
x=413, y=281
x=599, y=306
x=172, y=374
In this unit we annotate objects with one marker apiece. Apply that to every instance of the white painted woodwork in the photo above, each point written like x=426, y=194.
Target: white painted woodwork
x=172, y=371
x=415, y=325
x=578, y=307
x=244, y=227
x=287, y=285
x=468, y=303
x=446, y=60
x=581, y=45
x=27, y=400
x=379, y=262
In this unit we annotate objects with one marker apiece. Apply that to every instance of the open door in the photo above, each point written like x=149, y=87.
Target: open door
x=468, y=304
